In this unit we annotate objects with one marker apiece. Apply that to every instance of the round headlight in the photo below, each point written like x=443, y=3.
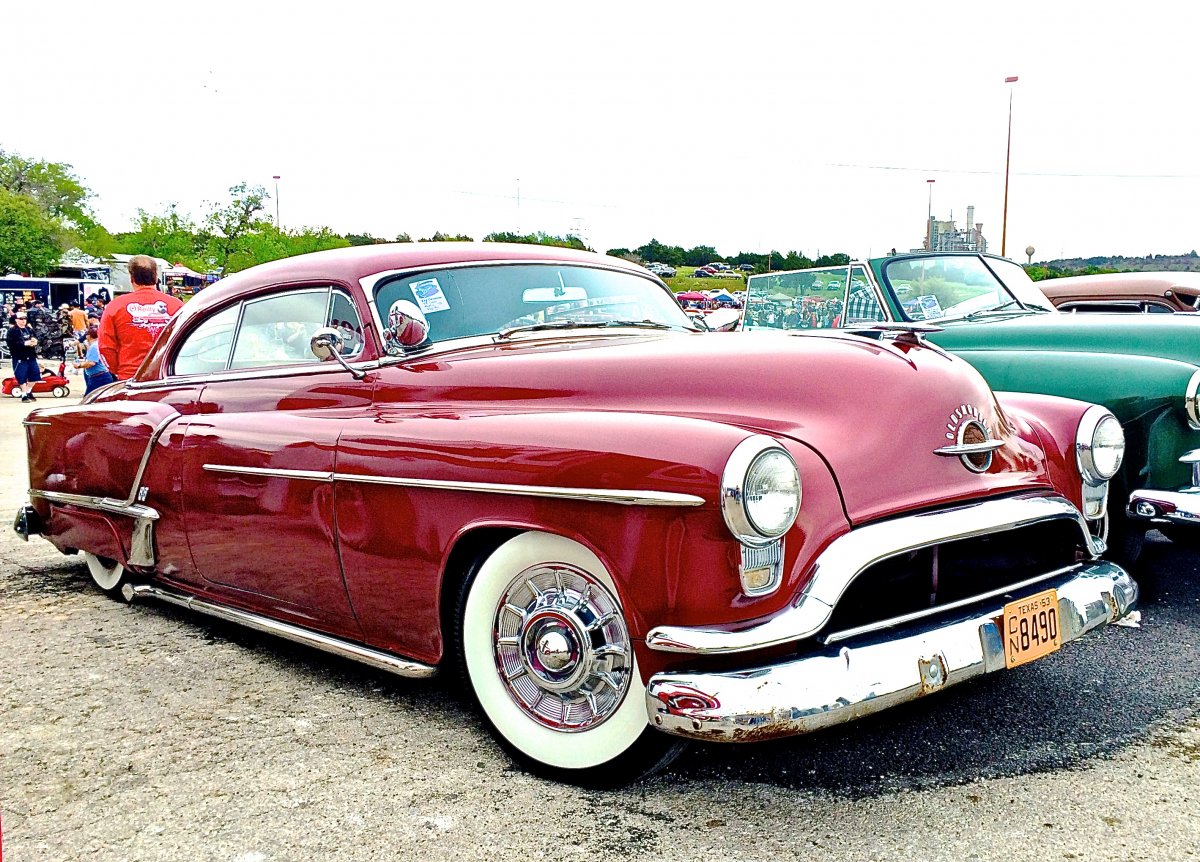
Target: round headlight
x=1100, y=446
x=760, y=491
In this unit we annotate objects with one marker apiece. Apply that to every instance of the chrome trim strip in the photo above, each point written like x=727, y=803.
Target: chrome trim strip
x=970, y=448
x=141, y=540
x=834, y=685
x=154, y=435
x=850, y=554
x=28, y=422
x=846, y=634
x=309, y=475
x=298, y=370
x=593, y=495
x=327, y=643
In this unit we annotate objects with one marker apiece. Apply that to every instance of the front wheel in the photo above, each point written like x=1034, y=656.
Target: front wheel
x=543, y=645
x=108, y=575
x=60, y=391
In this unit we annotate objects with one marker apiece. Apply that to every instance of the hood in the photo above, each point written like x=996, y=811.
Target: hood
x=874, y=412
x=1165, y=336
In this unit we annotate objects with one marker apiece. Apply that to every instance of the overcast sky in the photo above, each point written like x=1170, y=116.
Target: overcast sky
x=747, y=125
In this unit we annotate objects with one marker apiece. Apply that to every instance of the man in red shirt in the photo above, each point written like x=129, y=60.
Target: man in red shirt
x=132, y=321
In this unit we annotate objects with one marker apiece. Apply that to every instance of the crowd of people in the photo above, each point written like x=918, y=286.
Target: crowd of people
x=104, y=341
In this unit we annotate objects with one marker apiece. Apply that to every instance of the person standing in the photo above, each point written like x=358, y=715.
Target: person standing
x=95, y=372
x=132, y=321
x=22, y=347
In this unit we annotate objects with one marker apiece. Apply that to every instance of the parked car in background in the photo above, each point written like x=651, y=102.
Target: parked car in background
x=1145, y=368
x=746, y=267
x=1126, y=292
x=704, y=272
x=495, y=461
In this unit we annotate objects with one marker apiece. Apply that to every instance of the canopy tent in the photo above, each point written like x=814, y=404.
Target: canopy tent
x=691, y=296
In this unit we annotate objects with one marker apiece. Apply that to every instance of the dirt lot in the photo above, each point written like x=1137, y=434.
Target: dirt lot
x=149, y=733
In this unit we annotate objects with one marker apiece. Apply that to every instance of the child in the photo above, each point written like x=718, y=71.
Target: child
x=95, y=373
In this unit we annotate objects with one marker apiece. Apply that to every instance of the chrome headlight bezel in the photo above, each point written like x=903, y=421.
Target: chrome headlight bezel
x=733, y=490
x=1191, y=401
x=1086, y=444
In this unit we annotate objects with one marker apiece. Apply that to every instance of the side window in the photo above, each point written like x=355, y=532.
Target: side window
x=277, y=330
x=825, y=298
x=207, y=349
x=862, y=305
x=343, y=316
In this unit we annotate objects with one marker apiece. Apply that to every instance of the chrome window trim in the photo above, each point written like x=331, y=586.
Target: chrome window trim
x=1191, y=401
x=593, y=495
x=852, y=553
x=884, y=308
x=368, y=283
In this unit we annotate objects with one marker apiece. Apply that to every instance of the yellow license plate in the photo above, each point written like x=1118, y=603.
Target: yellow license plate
x=1031, y=628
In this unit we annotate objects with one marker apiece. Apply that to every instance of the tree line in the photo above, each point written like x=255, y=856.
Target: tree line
x=675, y=255
x=45, y=209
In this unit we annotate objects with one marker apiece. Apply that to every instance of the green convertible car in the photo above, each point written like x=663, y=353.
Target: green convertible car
x=1144, y=368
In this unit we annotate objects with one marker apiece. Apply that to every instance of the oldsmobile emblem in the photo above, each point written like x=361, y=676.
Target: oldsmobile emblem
x=973, y=443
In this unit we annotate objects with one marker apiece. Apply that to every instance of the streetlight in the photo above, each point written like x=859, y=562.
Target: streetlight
x=276, y=178
x=929, y=219
x=1012, y=79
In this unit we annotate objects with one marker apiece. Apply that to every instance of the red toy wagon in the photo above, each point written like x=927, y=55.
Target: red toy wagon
x=56, y=384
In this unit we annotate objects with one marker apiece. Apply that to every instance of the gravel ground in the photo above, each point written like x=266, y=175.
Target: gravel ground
x=150, y=733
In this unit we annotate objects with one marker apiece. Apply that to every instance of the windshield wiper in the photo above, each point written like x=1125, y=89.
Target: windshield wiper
x=579, y=324
x=1001, y=307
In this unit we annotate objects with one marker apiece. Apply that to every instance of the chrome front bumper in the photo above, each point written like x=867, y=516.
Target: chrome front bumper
x=1170, y=507
x=838, y=684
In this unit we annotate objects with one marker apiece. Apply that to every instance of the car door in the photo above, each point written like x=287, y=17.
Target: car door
x=259, y=455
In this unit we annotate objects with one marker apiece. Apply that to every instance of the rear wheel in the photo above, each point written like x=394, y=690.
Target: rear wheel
x=60, y=391
x=543, y=645
x=108, y=575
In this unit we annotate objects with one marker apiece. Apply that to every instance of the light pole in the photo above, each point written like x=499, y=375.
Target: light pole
x=276, y=178
x=929, y=219
x=1012, y=79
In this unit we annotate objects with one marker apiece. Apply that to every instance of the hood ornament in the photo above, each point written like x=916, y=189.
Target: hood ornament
x=907, y=333
x=973, y=443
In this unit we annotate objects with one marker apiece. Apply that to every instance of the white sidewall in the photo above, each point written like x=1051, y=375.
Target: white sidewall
x=106, y=577
x=581, y=749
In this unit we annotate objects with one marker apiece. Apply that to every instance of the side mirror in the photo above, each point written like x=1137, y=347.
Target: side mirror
x=406, y=327
x=327, y=344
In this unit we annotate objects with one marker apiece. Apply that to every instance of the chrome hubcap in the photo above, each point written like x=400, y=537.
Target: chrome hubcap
x=562, y=648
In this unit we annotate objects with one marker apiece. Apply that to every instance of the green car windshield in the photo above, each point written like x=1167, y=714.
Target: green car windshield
x=953, y=287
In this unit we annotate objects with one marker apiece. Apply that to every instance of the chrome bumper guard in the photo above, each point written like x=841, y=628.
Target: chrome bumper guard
x=840, y=684
x=1170, y=507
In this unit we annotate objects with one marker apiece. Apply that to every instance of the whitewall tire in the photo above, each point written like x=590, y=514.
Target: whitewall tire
x=106, y=574
x=545, y=650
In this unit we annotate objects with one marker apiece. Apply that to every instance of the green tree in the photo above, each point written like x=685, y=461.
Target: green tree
x=538, y=238
x=227, y=228
x=170, y=235
x=52, y=185
x=438, y=236
x=29, y=237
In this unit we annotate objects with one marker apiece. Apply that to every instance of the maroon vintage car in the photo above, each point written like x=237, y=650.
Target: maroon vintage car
x=1136, y=292
x=526, y=466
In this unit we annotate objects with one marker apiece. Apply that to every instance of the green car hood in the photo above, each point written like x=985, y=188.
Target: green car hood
x=1164, y=336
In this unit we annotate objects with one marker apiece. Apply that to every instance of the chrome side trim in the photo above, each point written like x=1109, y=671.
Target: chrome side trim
x=154, y=435
x=327, y=643
x=850, y=554
x=265, y=373
x=28, y=422
x=893, y=622
x=831, y=686
x=592, y=495
x=141, y=541
x=308, y=475
x=970, y=448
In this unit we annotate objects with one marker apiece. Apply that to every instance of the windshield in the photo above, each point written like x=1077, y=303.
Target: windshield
x=951, y=287
x=486, y=300
x=826, y=298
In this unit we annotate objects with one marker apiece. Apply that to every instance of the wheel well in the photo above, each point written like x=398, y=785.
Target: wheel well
x=470, y=549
